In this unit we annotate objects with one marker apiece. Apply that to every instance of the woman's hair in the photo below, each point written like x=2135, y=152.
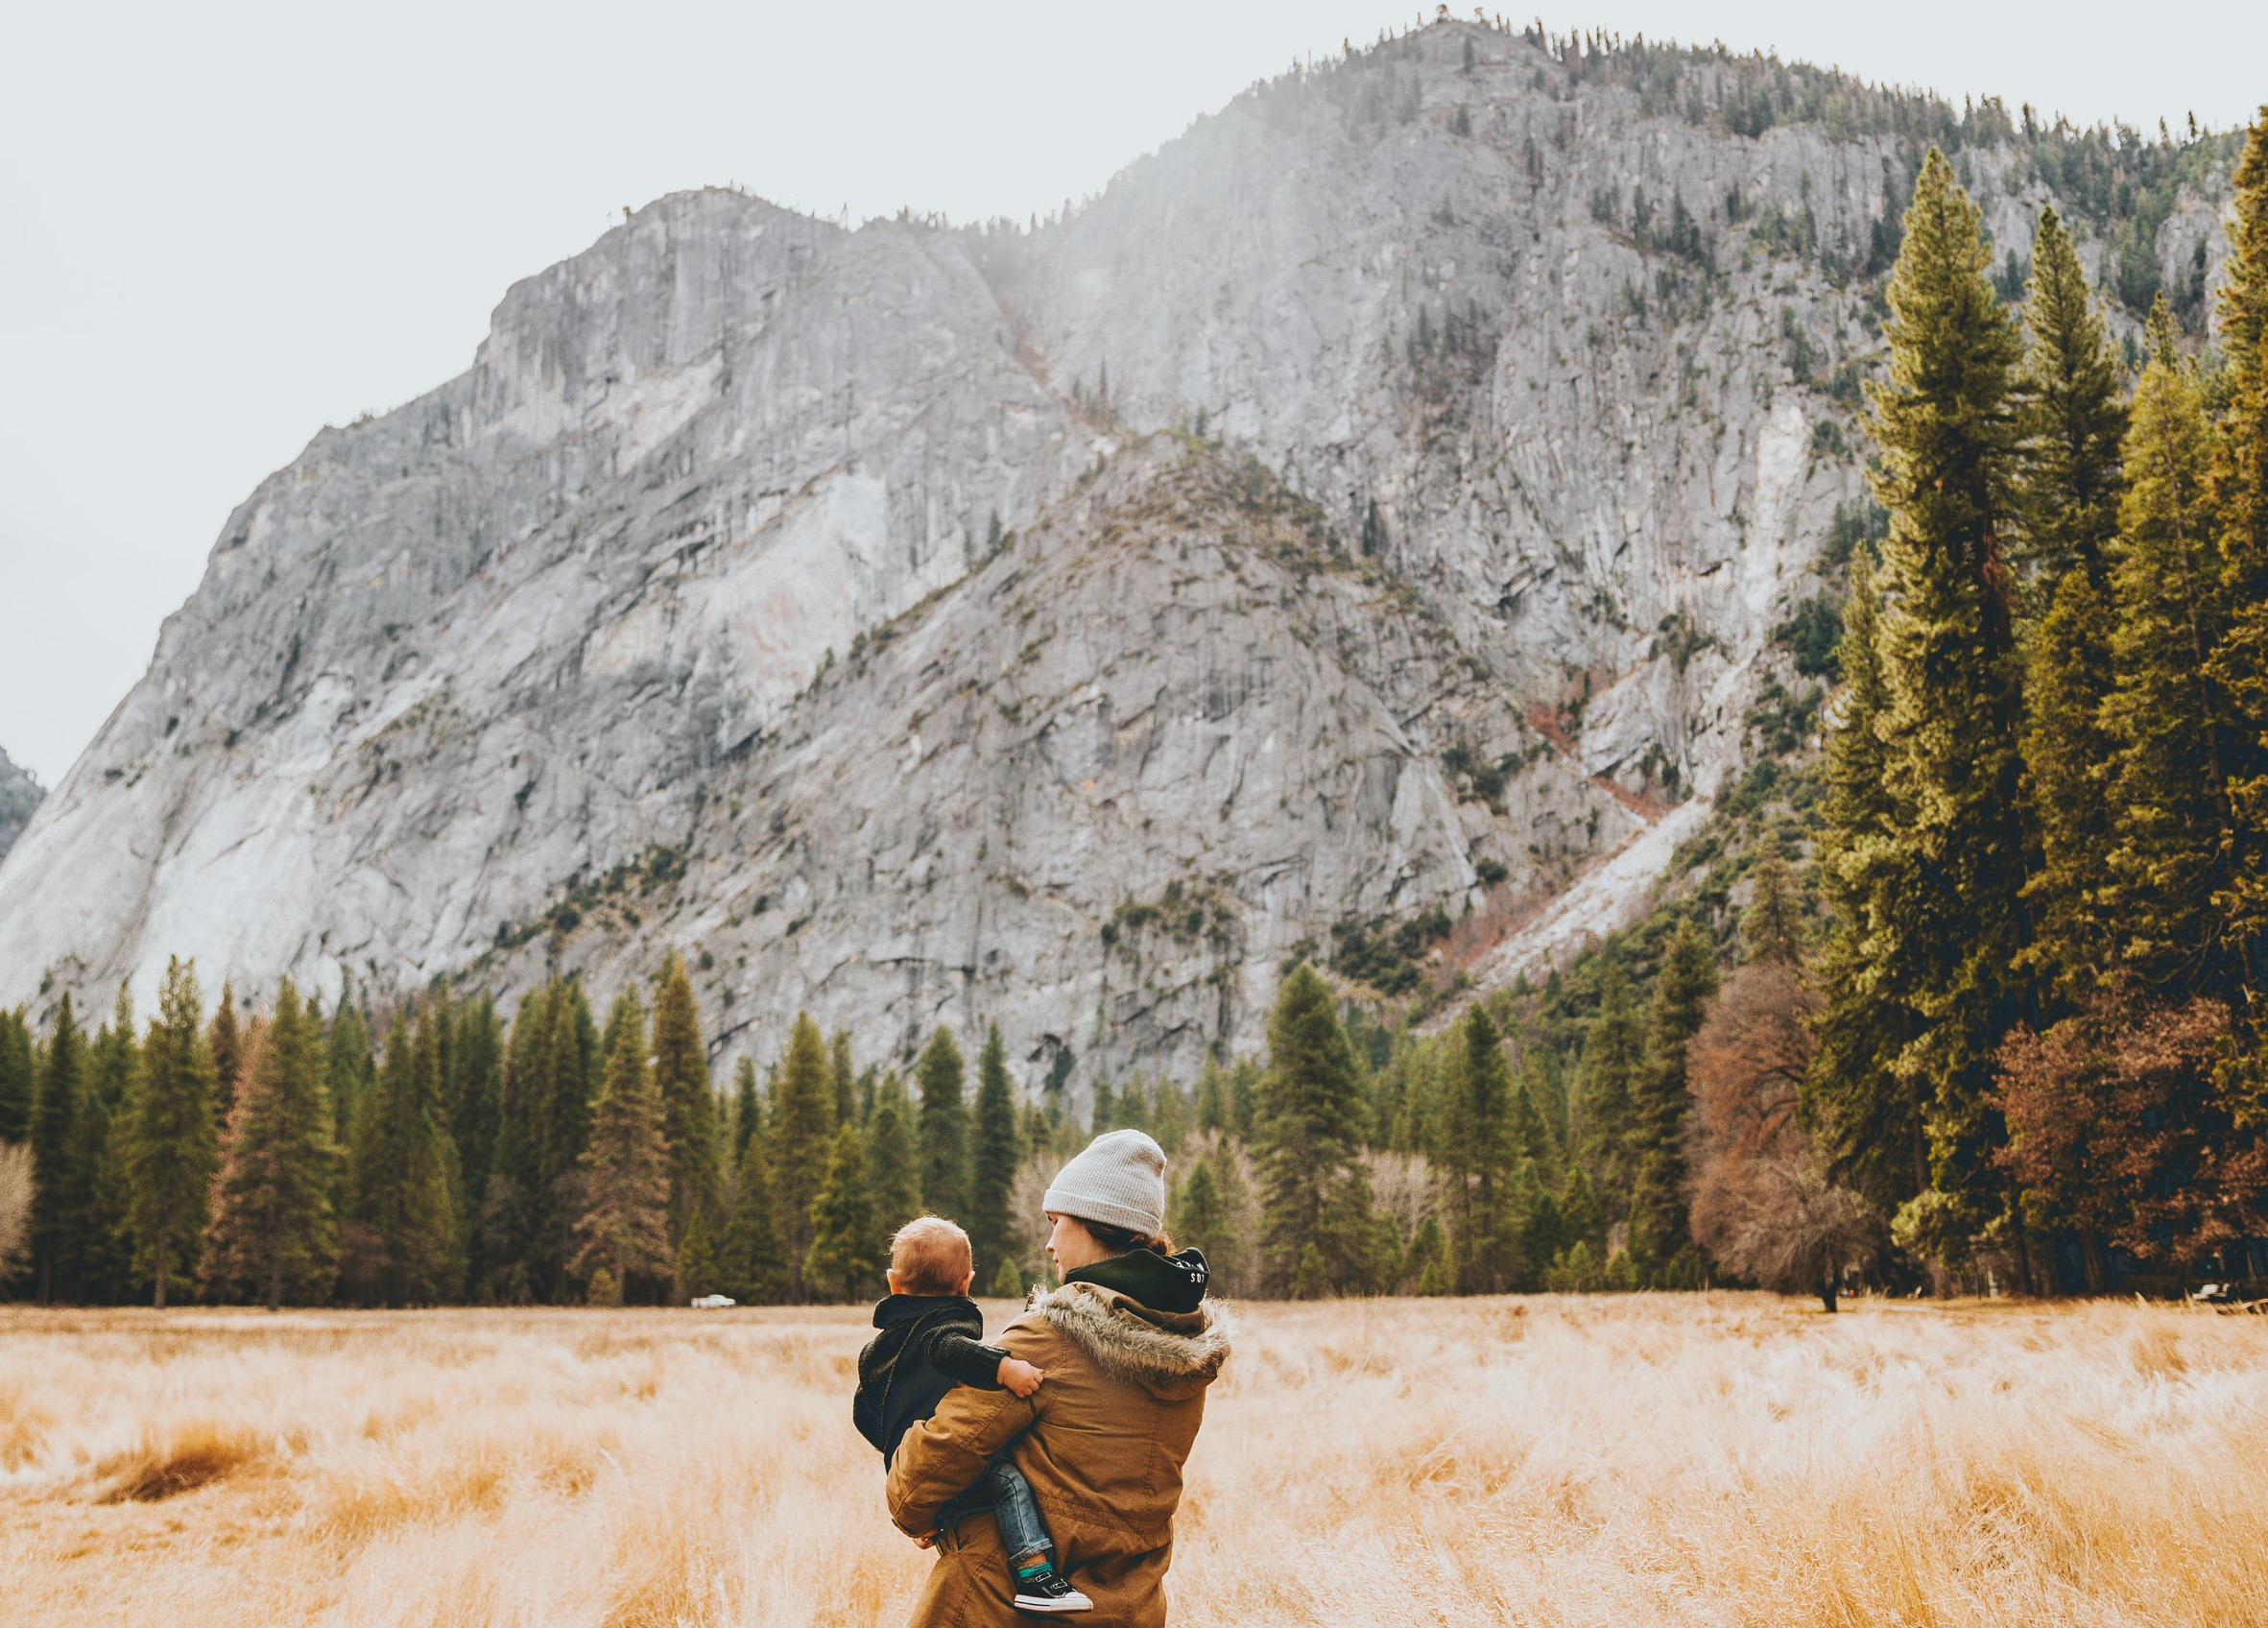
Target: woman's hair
x=1118, y=1240
x=930, y=1255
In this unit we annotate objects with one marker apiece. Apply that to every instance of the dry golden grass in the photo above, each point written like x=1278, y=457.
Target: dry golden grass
x=1727, y=1460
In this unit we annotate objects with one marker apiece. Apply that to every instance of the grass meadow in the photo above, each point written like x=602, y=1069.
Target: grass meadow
x=1728, y=1459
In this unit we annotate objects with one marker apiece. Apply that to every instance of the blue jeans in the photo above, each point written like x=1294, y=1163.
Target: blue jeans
x=1022, y=1533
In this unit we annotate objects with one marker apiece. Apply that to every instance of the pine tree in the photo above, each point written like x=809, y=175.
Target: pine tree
x=1314, y=1195
x=1866, y=1113
x=2066, y=751
x=1607, y=1083
x=170, y=1143
x=55, y=1115
x=2237, y=500
x=625, y=1223
x=894, y=1172
x=991, y=1229
x=1947, y=643
x=750, y=1266
x=17, y=1076
x=799, y=1137
x=2071, y=417
x=688, y=1105
x=476, y=1111
x=1683, y=990
x=1213, y=1113
x=699, y=1268
x=1199, y=1218
x=516, y=1208
x=98, y=1259
x=1773, y=929
x=272, y=1232
x=846, y=1254
x=401, y=1248
x=2165, y=716
x=225, y=1039
x=747, y=1108
x=350, y=1070
x=1477, y=1152
x=845, y=1078
x=944, y=1127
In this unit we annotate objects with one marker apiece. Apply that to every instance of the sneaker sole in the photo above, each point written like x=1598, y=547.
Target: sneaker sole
x=1053, y=1608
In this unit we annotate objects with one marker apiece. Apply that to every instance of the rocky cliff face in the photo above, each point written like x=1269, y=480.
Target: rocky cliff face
x=1380, y=501
x=21, y=794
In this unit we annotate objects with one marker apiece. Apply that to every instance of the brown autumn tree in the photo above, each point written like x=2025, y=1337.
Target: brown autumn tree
x=1762, y=1204
x=2115, y=1131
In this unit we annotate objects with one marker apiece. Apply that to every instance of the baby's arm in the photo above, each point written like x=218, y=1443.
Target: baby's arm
x=970, y=1362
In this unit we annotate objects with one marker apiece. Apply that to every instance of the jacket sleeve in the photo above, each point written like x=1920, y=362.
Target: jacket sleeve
x=940, y=1457
x=965, y=1361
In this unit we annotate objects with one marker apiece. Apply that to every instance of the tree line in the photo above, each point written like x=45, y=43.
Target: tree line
x=2044, y=838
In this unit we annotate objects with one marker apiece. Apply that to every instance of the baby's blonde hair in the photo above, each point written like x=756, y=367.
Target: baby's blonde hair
x=930, y=1255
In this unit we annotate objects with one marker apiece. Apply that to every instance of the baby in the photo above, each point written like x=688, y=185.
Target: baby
x=932, y=1340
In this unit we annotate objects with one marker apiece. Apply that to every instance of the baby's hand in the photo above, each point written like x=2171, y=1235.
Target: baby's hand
x=1020, y=1375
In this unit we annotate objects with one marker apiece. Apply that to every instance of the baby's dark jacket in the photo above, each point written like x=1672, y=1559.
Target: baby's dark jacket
x=928, y=1344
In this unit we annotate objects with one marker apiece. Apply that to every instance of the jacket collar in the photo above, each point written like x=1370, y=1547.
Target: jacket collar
x=1162, y=1283
x=893, y=1309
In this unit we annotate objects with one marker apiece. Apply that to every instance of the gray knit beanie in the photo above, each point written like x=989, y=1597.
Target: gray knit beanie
x=1118, y=1180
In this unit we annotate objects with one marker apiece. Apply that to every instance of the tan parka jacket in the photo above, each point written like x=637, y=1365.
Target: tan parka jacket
x=1102, y=1440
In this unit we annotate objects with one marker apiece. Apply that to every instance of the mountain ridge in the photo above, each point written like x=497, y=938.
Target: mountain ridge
x=1579, y=380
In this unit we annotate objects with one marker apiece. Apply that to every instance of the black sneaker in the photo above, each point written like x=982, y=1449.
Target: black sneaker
x=1048, y=1592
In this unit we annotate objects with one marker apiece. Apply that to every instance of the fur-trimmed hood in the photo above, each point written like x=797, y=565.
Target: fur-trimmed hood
x=1170, y=1355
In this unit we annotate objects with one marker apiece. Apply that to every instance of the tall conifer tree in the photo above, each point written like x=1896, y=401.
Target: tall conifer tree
x=55, y=1117
x=625, y=1221
x=991, y=1229
x=2066, y=752
x=225, y=1039
x=894, y=1168
x=800, y=1137
x=476, y=1111
x=750, y=1265
x=688, y=1106
x=1867, y=1114
x=1314, y=1195
x=171, y=1141
x=2168, y=876
x=845, y=1078
x=272, y=1232
x=1947, y=641
x=405, y=1237
x=847, y=1256
x=2071, y=415
x=747, y=1108
x=17, y=1076
x=1607, y=1083
x=2239, y=500
x=99, y=1249
x=944, y=1126
x=1478, y=1150
x=1683, y=990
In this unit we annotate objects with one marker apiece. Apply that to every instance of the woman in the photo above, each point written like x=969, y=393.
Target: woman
x=1128, y=1348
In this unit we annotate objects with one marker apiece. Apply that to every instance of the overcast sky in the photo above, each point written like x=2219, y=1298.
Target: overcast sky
x=228, y=226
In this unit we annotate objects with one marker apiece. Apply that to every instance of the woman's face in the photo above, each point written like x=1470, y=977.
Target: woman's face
x=1072, y=1245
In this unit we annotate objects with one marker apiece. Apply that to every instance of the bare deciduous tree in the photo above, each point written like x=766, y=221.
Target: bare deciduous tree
x=15, y=1204
x=1763, y=1205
